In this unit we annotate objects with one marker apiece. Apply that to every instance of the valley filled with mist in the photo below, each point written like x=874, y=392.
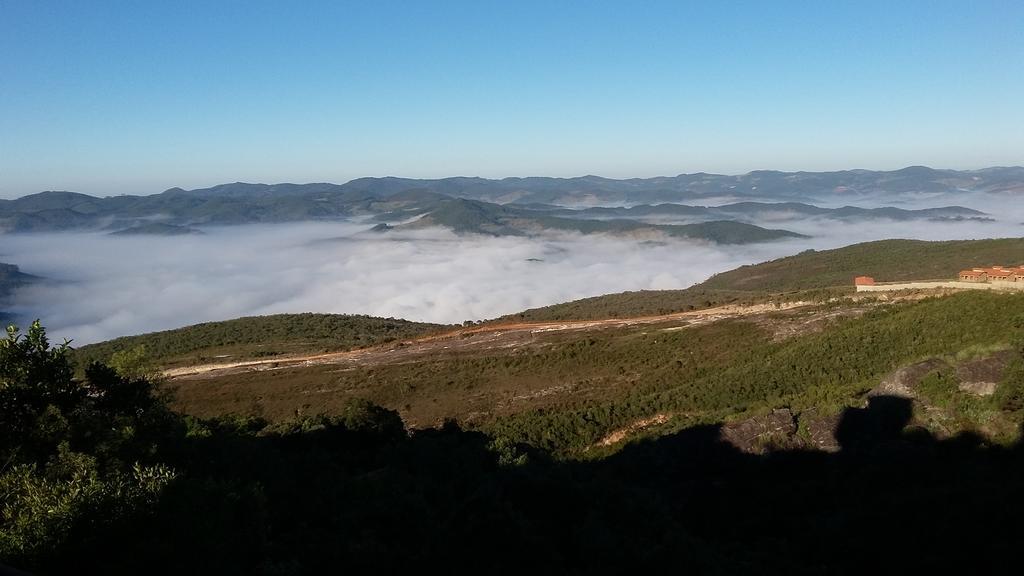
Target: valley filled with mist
x=444, y=251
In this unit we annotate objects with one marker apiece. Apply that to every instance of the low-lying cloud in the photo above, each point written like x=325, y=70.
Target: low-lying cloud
x=109, y=286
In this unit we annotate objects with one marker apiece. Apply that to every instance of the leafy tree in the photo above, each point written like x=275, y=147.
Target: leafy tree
x=132, y=362
x=36, y=390
x=361, y=415
x=72, y=454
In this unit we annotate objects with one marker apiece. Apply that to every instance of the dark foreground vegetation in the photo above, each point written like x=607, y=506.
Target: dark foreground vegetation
x=98, y=476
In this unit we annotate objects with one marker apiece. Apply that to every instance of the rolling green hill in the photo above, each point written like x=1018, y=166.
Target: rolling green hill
x=886, y=260
x=563, y=392
x=716, y=371
x=631, y=304
x=256, y=337
x=811, y=272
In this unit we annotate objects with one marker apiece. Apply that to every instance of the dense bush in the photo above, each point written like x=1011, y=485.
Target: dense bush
x=79, y=458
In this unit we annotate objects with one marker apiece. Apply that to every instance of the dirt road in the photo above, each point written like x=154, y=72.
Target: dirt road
x=490, y=336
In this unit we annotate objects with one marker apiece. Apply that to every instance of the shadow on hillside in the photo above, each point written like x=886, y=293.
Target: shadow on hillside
x=891, y=497
x=334, y=499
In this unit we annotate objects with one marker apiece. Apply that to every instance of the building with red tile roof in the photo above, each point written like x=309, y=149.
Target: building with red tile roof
x=973, y=275
x=993, y=274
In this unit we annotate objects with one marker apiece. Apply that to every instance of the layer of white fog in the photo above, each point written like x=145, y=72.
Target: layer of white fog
x=108, y=286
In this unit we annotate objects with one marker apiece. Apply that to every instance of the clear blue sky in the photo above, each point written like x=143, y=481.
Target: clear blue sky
x=136, y=97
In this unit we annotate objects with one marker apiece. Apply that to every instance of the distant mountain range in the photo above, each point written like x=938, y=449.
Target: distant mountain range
x=544, y=201
x=761, y=184
x=473, y=216
x=759, y=211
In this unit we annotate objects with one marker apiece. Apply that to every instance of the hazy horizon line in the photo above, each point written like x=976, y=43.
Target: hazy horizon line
x=502, y=178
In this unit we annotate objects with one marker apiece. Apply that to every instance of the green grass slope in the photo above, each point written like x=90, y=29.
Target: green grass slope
x=567, y=391
x=257, y=337
x=707, y=375
x=886, y=260
x=627, y=305
x=808, y=274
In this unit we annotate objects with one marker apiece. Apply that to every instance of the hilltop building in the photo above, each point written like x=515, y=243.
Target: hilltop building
x=995, y=274
x=992, y=278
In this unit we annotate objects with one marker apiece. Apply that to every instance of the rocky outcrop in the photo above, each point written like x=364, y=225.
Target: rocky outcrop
x=820, y=430
x=903, y=381
x=774, y=430
x=982, y=375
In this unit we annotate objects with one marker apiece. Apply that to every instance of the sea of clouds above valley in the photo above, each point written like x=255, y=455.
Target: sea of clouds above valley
x=107, y=286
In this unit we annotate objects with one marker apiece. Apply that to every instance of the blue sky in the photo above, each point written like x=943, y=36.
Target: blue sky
x=136, y=97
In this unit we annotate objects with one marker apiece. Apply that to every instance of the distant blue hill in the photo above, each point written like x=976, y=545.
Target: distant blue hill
x=392, y=199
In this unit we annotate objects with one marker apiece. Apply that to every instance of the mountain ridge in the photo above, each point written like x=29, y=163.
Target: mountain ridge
x=385, y=184
x=393, y=199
